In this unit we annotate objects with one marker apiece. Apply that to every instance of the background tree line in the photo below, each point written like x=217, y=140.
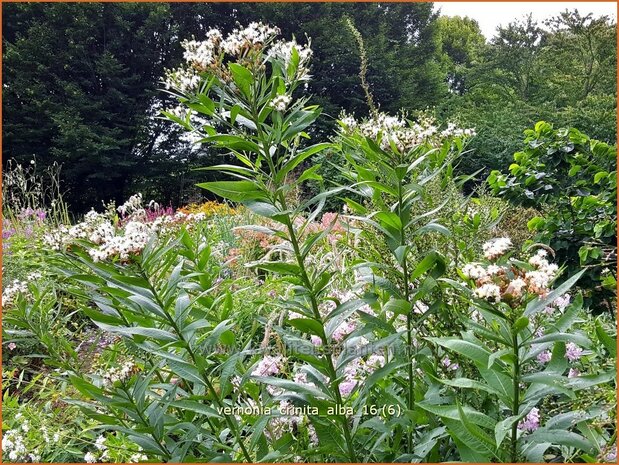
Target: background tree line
x=82, y=84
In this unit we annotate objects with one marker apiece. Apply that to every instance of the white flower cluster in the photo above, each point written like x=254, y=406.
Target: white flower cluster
x=17, y=287
x=136, y=236
x=396, y=130
x=453, y=131
x=282, y=50
x=13, y=443
x=95, y=228
x=184, y=80
x=122, y=242
x=168, y=223
x=250, y=36
x=203, y=54
x=489, y=291
x=281, y=102
x=208, y=54
x=509, y=283
x=113, y=374
x=132, y=206
x=539, y=279
x=103, y=453
x=496, y=248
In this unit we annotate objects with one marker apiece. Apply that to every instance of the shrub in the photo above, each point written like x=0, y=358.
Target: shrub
x=571, y=180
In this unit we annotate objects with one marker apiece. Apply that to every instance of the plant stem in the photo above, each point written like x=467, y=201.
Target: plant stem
x=409, y=320
x=317, y=316
x=516, y=405
x=203, y=372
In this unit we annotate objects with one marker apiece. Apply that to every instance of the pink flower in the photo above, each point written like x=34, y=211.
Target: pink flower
x=268, y=366
x=572, y=351
x=12, y=346
x=346, y=387
x=562, y=302
x=343, y=330
x=531, y=421
x=573, y=373
x=544, y=357
x=331, y=218
x=450, y=366
x=316, y=340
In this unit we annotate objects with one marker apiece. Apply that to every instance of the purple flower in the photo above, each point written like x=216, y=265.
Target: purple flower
x=609, y=454
x=531, y=421
x=450, y=366
x=7, y=233
x=573, y=373
x=572, y=351
x=316, y=340
x=268, y=366
x=347, y=386
x=544, y=357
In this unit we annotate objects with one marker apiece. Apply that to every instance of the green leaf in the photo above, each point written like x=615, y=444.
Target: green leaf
x=186, y=371
x=503, y=427
x=451, y=412
x=279, y=268
x=299, y=158
x=587, y=381
x=476, y=352
x=306, y=325
x=469, y=444
x=520, y=324
x=433, y=227
x=237, y=191
x=195, y=406
x=308, y=392
x=563, y=337
x=560, y=437
x=265, y=209
x=499, y=381
x=310, y=173
x=539, y=304
x=242, y=78
x=609, y=342
x=152, y=333
x=398, y=306
x=429, y=261
x=467, y=383
x=475, y=430
x=351, y=353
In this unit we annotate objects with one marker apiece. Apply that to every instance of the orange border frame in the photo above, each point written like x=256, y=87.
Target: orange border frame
x=257, y=1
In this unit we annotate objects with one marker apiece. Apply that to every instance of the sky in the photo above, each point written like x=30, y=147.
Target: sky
x=491, y=14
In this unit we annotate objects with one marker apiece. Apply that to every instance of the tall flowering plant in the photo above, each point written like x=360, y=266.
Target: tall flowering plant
x=389, y=161
x=238, y=94
x=517, y=336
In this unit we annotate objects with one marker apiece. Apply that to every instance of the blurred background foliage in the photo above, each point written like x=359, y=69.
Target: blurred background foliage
x=82, y=83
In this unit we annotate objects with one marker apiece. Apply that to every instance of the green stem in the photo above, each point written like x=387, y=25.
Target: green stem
x=203, y=373
x=146, y=424
x=331, y=368
x=409, y=321
x=516, y=405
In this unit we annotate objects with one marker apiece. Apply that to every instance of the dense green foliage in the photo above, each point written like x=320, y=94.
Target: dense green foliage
x=572, y=180
x=87, y=97
x=277, y=331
